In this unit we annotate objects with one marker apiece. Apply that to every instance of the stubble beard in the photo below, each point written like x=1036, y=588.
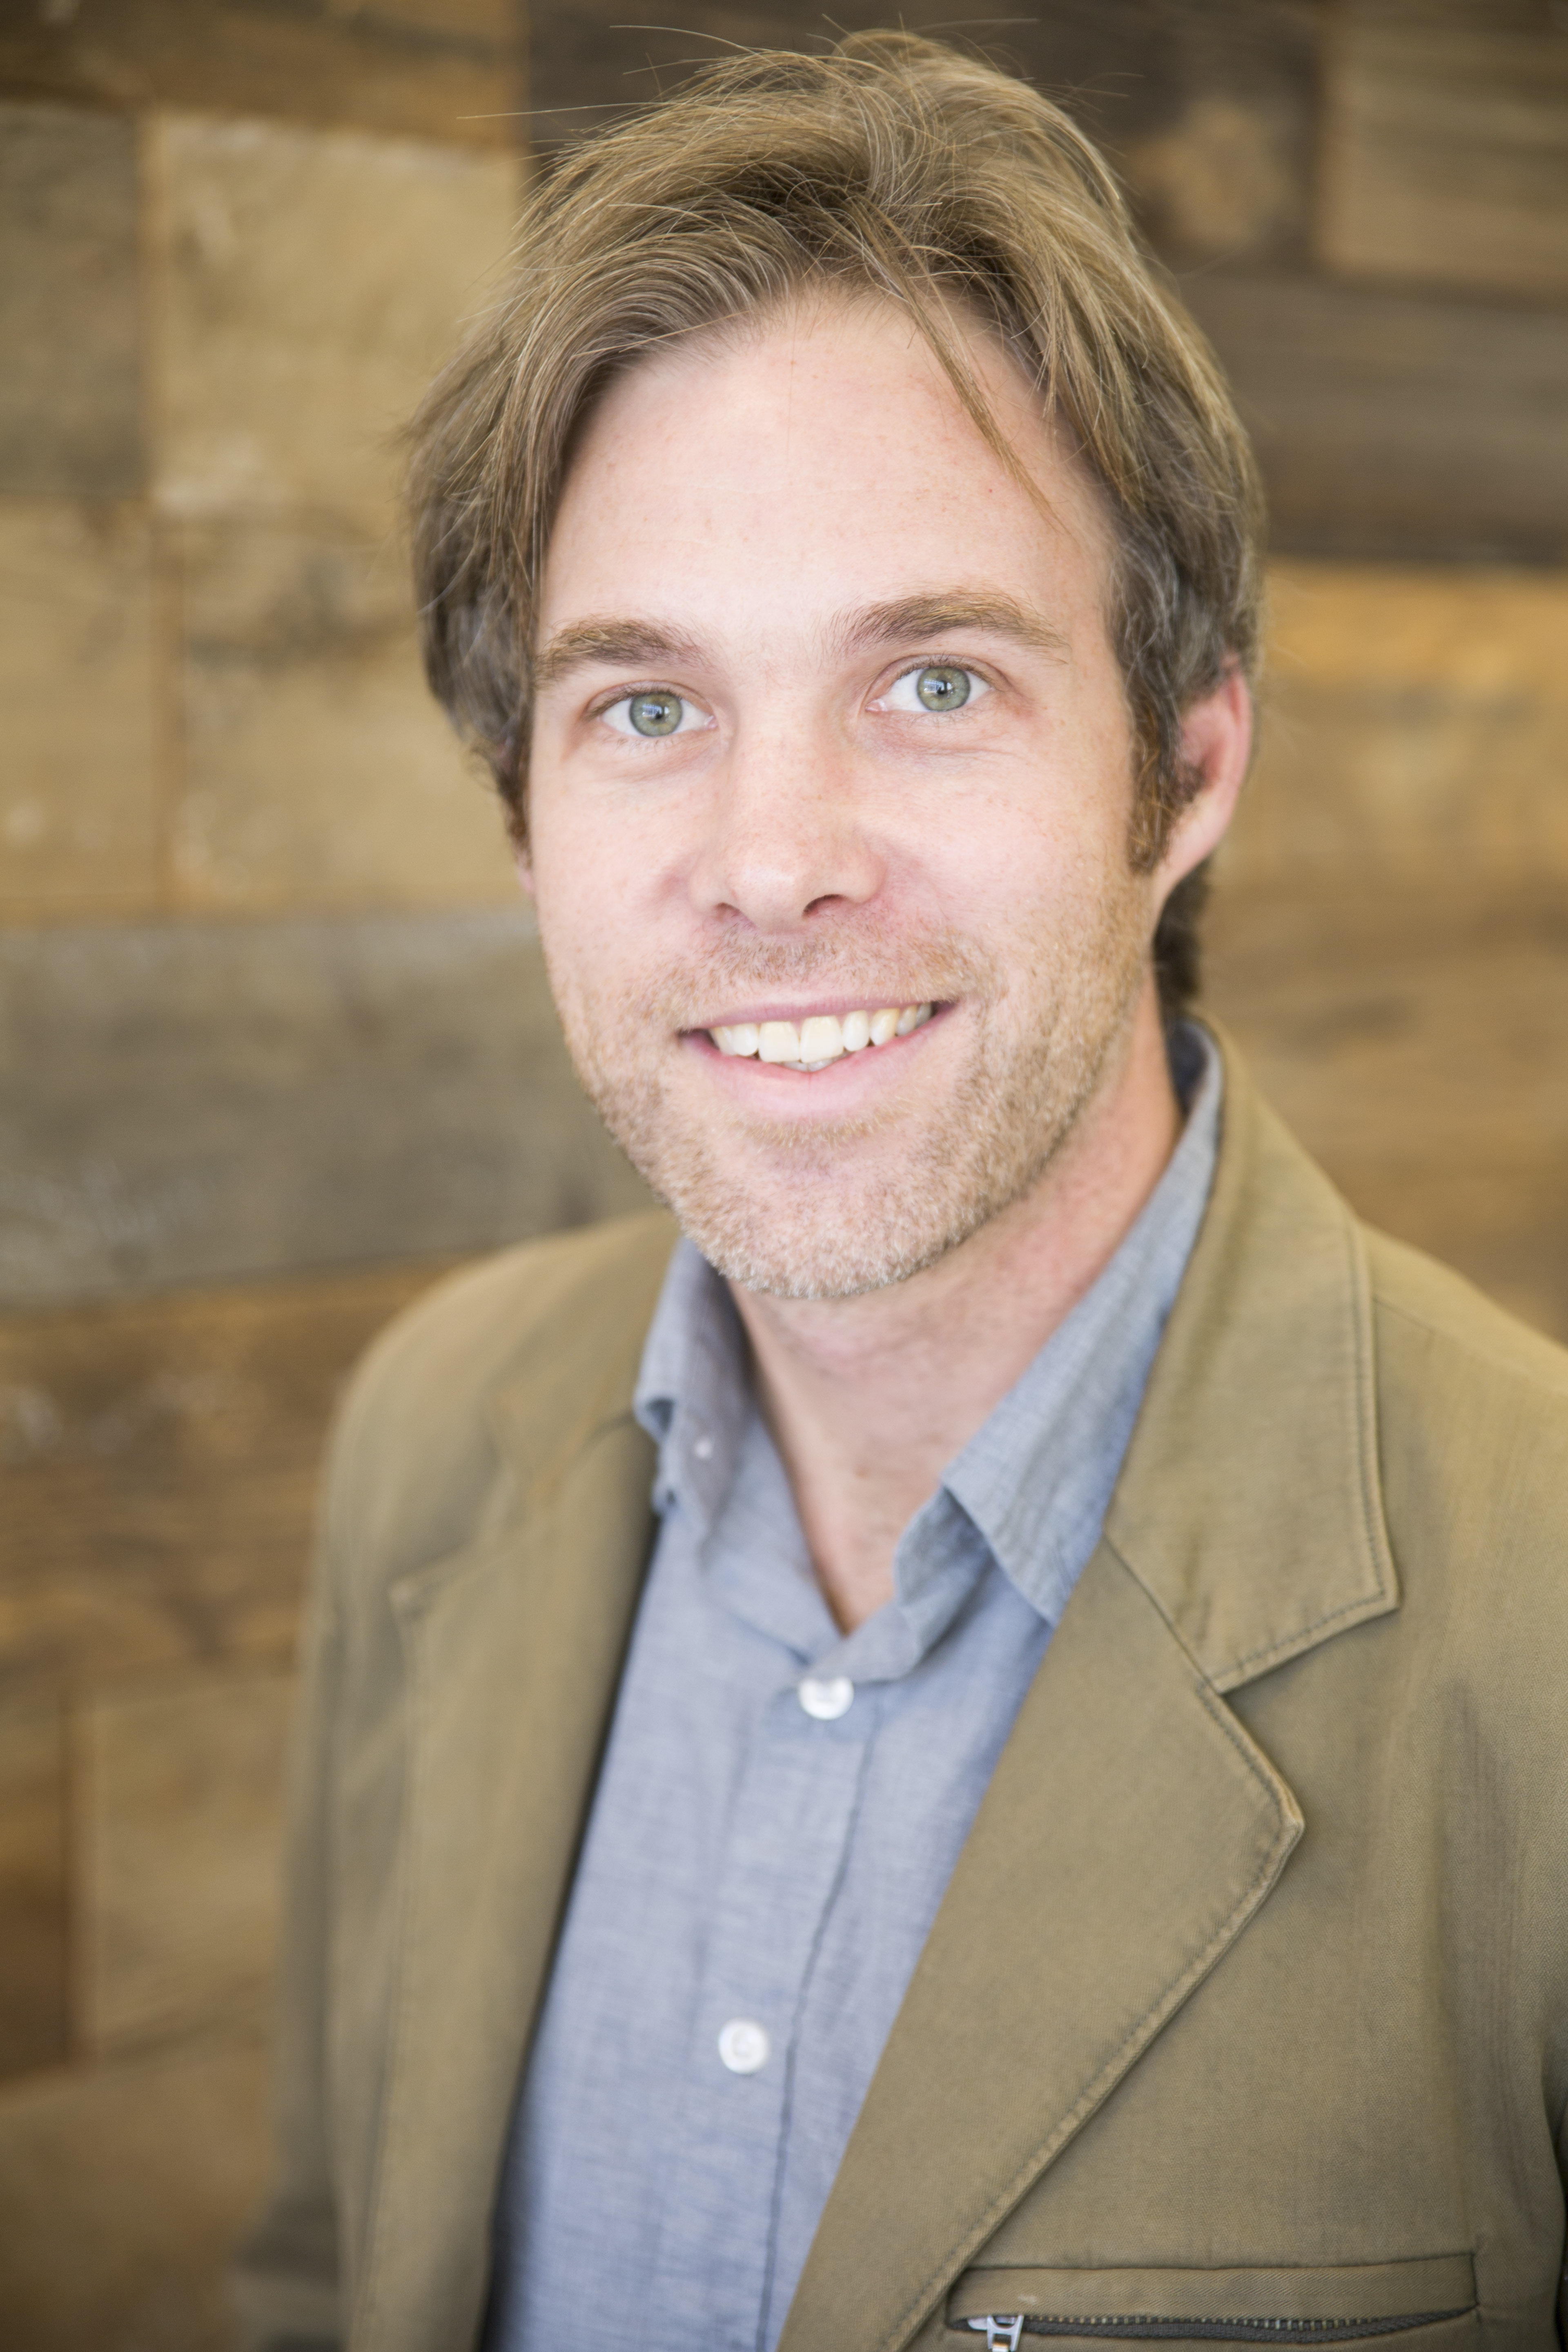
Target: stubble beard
x=821, y=1211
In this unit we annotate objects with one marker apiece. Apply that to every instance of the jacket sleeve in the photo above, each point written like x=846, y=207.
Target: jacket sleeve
x=287, y=2273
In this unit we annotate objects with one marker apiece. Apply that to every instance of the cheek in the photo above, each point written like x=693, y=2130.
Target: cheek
x=598, y=887
x=572, y=889
x=1033, y=854
x=1055, y=826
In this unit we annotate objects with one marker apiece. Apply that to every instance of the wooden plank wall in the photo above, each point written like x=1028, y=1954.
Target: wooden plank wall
x=265, y=1000
x=275, y=1046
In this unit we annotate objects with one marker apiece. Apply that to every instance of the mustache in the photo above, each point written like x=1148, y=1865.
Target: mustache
x=924, y=966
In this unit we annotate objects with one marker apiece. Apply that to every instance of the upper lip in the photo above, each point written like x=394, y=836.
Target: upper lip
x=835, y=1006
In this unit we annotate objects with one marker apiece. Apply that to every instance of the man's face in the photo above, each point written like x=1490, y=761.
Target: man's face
x=829, y=729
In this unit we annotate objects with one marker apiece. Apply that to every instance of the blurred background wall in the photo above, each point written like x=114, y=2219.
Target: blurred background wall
x=274, y=1044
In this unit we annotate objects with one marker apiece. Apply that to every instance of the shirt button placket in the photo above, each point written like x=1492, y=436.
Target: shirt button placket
x=784, y=1855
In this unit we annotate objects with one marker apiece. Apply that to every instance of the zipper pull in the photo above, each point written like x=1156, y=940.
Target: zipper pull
x=1001, y=2333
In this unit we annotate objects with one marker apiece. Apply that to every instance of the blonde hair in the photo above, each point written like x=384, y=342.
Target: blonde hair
x=894, y=166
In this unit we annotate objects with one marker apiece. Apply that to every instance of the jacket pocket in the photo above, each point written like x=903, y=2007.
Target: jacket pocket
x=1280, y=2305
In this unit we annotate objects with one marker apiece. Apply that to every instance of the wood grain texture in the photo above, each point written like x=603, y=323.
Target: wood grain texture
x=318, y=769
x=123, y=2188
x=70, y=322
x=158, y=1462
x=1446, y=144
x=34, y=1893
x=80, y=788
x=444, y=70
x=1397, y=426
x=1415, y=728
x=308, y=284
x=179, y=1852
x=206, y=1101
x=1418, y=1042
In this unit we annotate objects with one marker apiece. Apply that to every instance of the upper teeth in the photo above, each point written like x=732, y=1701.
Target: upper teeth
x=811, y=1043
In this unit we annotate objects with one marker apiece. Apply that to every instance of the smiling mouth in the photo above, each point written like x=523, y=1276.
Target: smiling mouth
x=821, y=1038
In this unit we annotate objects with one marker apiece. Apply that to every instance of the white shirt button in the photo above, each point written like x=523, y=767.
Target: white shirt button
x=703, y=1448
x=826, y=1700
x=743, y=2046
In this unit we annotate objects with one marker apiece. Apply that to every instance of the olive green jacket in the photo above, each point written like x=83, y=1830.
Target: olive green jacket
x=1249, y=1999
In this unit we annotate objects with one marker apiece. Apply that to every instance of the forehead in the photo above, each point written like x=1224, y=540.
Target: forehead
x=822, y=452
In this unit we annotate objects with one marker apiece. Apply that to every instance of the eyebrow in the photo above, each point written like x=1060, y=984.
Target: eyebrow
x=614, y=642
x=928, y=614
x=938, y=614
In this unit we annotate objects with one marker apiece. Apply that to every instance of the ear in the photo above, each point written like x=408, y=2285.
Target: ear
x=1216, y=744
x=524, y=868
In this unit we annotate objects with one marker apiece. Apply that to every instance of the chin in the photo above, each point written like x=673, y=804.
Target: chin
x=827, y=1233
x=834, y=1211
x=837, y=1213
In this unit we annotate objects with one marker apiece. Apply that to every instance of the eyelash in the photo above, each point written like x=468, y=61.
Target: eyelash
x=939, y=661
x=619, y=695
x=612, y=701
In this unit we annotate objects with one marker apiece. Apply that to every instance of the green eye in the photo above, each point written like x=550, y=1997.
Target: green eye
x=942, y=688
x=654, y=714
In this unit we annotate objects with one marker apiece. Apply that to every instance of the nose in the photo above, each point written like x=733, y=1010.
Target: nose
x=785, y=840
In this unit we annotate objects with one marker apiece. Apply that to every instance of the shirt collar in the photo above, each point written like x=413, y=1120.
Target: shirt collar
x=1031, y=1488
x=1037, y=1479
x=693, y=1396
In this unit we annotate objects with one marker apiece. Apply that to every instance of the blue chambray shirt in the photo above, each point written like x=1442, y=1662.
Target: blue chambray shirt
x=750, y=1864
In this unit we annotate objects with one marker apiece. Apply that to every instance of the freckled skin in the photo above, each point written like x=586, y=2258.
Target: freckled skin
x=904, y=1228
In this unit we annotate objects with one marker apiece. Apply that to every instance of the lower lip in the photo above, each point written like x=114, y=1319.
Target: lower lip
x=786, y=1073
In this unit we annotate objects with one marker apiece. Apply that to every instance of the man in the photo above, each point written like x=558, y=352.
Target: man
x=974, y=1746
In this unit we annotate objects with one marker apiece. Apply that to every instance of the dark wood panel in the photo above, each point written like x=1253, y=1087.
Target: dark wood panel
x=1398, y=426
x=34, y=1957
x=70, y=411
x=158, y=1464
x=1207, y=105
x=202, y=1100
x=435, y=68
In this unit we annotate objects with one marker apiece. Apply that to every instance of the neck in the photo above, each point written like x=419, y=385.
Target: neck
x=870, y=1399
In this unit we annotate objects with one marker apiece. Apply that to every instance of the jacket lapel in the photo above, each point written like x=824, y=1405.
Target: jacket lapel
x=1132, y=1827
x=513, y=1651
x=1127, y=1835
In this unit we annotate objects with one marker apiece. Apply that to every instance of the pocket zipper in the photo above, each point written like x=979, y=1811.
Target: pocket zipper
x=1004, y=2331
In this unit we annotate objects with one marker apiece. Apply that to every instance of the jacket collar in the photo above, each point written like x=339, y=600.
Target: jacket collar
x=580, y=1376
x=1250, y=1505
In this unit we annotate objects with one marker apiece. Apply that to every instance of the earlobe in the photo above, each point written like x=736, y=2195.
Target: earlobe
x=524, y=870
x=1216, y=745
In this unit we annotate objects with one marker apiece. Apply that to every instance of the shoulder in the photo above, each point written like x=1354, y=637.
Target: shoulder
x=554, y=1327
x=475, y=1325
x=1439, y=1340
x=1472, y=1412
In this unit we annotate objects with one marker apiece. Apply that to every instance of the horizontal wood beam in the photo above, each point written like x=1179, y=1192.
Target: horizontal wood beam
x=207, y=1100
x=1393, y=425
